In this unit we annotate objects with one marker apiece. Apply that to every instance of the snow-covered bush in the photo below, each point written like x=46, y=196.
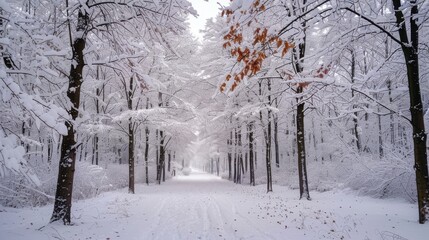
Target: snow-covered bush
x=90, y=180
x=391, y=176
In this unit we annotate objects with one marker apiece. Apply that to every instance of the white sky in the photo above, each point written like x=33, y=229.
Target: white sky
x=206, y=9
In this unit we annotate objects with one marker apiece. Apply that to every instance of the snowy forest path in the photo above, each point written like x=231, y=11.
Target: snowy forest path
x=200, y=206
x=203, y=206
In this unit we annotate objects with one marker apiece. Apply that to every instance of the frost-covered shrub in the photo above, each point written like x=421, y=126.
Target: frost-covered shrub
x=89, y=181
x=391, y=176
x=17, y=191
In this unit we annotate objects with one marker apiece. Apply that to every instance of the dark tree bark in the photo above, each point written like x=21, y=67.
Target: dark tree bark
x=50, y=149
x=392, y=122
x=146, y=154
x=157, y=153
x=169, y=161
x=268, y=143
x=217, y=166
x=276, y=138
x=229, y=143
x=97, y=110
x=240, y=168
x=355, y=115
x=298, y=58
x=163, y=169
x=161, y=160
x=267, y=135
x=161, y=157
x=130, y=140
x=380, y=136
x=251, y=163
x=63, y=195
x=146, y=149
x=300, y=137
x=235, y=156
x=410, y=50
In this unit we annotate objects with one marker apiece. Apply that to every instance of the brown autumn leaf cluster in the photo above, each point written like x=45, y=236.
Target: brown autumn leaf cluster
x=251, y=57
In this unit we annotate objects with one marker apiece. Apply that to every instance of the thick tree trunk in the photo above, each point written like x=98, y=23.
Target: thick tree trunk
x=299, y=54
x=300, y=137
x=63, y=195
x=410, y=50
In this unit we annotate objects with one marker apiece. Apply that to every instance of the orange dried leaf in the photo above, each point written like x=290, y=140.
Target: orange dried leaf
x=279, y=42
x=228, y=77
x=222, y=87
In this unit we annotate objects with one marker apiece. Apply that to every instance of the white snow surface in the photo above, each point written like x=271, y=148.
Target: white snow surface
x=203, y=206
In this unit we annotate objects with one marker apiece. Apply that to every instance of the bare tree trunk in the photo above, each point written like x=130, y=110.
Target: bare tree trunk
x=235, y=157
x=355, y=117
x=410, y=50
x=163, y=169
x=161, y=156
x=96, y=148
x=97, y=109
x=63, y=195
x=276, y=141
x=298, y=57
x=300, y=137
x=146, y=154
x=240, y=169
x=217, y=166
x=380, y=136
x=268, y=144
x=169, y=161
x=229, y=143
x=392, y=122
x=251, y=163
x=130, y=141
x=157, y=153
x=49, y=149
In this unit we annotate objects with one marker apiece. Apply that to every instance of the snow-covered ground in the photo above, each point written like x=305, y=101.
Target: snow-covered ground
x=202, y=206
